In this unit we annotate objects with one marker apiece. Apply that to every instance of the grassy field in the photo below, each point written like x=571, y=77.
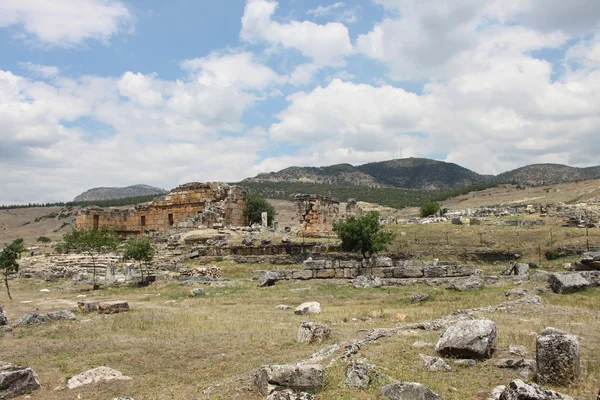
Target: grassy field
x=176, y=347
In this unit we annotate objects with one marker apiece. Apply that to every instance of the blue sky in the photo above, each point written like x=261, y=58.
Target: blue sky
x=113, y=93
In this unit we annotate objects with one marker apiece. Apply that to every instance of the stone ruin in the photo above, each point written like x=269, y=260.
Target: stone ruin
x=316, y=214
x=192, y=205
x=352, y=208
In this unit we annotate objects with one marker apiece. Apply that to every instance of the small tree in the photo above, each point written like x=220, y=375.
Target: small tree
x=140, y=250
x=256, y=204
x=93, y=243
x=363, y=235
x=429, y=208
x=8, y=260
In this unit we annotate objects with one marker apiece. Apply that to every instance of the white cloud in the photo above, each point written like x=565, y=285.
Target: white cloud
x=44, y=71
x=324, y=11
x=64, y=23
x=140, y=88
x=326, y=45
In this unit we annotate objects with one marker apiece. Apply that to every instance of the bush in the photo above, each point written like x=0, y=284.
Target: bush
x=43, y=239
x=363, y=235
x=256, y=204
x=429, y=208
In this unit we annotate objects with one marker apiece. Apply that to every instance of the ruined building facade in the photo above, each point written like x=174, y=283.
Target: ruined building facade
x=316, y=214
x=187, y=206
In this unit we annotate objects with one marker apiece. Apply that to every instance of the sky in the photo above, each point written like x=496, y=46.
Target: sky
x=121, y=92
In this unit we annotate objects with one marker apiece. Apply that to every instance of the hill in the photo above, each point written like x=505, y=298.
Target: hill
x=406, y=173
x=114, y=193
x=548, y=174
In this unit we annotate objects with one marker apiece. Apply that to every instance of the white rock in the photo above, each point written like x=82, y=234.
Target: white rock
x=100, y=374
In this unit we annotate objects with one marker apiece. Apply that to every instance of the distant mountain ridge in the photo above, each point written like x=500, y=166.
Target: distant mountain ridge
x=114, y=193
x=423, y=173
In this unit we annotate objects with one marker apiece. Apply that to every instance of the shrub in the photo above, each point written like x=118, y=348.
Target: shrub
x=429, y=208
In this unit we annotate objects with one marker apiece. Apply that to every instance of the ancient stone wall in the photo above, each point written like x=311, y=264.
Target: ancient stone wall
x=316, y=214
x=187, y=206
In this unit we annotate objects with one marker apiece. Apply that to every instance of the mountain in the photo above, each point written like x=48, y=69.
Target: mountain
x=112, y=193
x=548, y=174
x=408, y=173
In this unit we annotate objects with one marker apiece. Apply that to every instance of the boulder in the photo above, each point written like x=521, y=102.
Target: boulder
x=197, y=292
x=308, y=377
x=468, y=339
x=408, y=391
x=16, y=380
x=267, y=278
x=282, y=393
x=590, y=261
x=3, y=317
x=311, y=307
x=463, y=285
x=31, y=319
x=357, y=376
x=61, y=315
x=557, y=357
x=309, y=332
x=519, y=390
x=113, y=307
x=87, y=306
x=435, y=364
x=365, y=282
x=419, y=297
x=100, y=374
x=567, y=282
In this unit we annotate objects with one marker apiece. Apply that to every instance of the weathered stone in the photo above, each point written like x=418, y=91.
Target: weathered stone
x=31, y=319
x=525, y=367
x=313, y=264
x=419, y=297
x=65, y=315
x=311, y=307
x=364, y=282
x=100, y=374
x=5, y=328
x=464, y=363
x=309, y=377
x=468, y=339
x=283, y=307
x=408, y=391
x=267, y=278
x=590, y=261
x=381, y=262
x=567, y=283
x=113, y=307
x=464, y=285
x=282, y=393
x=88, y=306
x=357, y=376
x=324, y=273
x=3, y=317
x=557, y=357
x=518, y=350
x=16, y=380
x=516, y=292
x=408, y=272
x=519, y=390
x=310, y=332
x=301, y=274
x=435, y=364
x=197, y=292
x=496, y=392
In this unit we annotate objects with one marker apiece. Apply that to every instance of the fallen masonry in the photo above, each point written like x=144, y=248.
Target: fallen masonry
x=387, y=271
x=16, y=380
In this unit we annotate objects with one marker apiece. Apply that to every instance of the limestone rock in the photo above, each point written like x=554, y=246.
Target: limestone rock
x=408, y=391
x=516, y=293
x=16, y=380
x=64, y=315
x=496, y=392
x=311, y=307
x=267, y=278
x=197, y=292
x=420, y=344
x=557, y=357
x=310, y=332
x=357, y=376
x=567, y=282
x=525, y=367
x=519, y=390
x=419, y=297
x=113, y=307
x=88, y=306
x=3, y=317
x=282, y=393
x=518, y=350
x=435, y=364
x=5, y=328
x=365, y=282
x=468, y=339
x=308, y=377
x=463, y=285
x=31, y=319
x=283, y=307
x=100, y=374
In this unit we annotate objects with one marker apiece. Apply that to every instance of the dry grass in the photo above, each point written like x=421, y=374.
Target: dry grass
x=175, y=346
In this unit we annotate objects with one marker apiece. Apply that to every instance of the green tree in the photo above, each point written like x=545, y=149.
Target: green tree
x=8, y=260
x=256, y=204
x=363, y=235
x=140, y=250
x=429, y=208
x=91, y=242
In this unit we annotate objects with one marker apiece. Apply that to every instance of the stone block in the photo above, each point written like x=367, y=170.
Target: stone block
x=309, y=377
x=567, y=283
x=16, y=380
x=557, y=358
x=324, y=274
x=350, y=273
x=468, y=339
x=301, y=274
x=407, y=272
x=313, y=264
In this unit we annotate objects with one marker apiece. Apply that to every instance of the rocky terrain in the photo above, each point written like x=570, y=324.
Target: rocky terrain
x=113, y=193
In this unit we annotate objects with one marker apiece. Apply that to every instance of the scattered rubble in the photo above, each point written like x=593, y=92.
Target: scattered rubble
x=408, y=391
